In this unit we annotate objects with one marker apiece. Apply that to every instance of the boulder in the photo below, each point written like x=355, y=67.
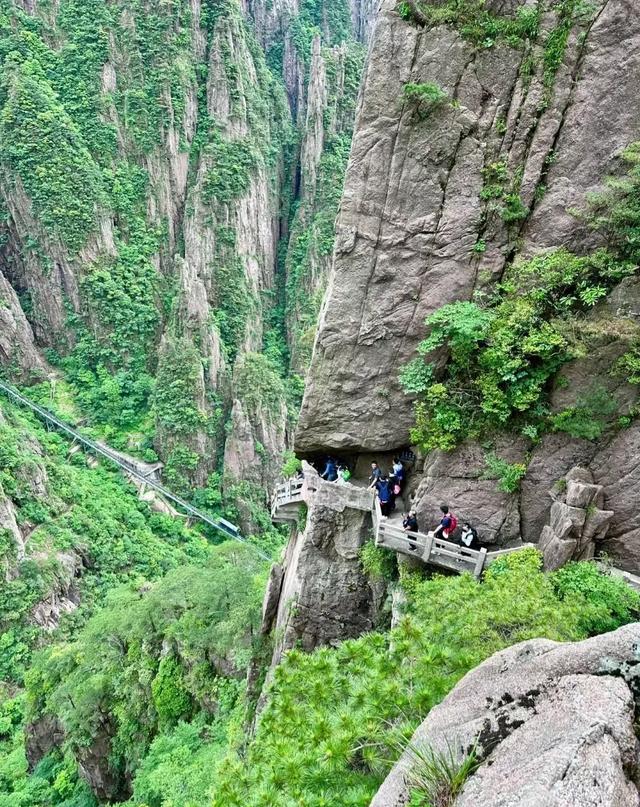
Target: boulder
x=552, y=724
x=575, y=523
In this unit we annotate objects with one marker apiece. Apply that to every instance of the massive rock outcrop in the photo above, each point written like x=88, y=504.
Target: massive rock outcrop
x=416, y=231
x=412, y=212
x=551, y=724
x=320, y=594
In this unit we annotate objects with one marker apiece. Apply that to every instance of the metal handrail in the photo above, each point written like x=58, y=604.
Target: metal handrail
x=225, y=527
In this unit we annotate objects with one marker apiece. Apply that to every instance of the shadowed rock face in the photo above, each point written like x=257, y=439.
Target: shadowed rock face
x=553, y=725
x=320, y=594
x=411, y=211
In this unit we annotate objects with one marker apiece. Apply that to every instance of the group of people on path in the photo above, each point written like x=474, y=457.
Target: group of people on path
x=389, y=487
x=446, y=529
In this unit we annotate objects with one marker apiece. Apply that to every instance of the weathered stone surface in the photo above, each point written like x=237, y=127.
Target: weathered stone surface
x=565, y=519
x=324, y=594
x=412, y=199
x=617, y=468
x=8, y=522
x=555, y=455
x=64, y=596
x=582, y=495
x=458, y=478
x=94, y=764
x=17, y=342
x=554, y=726
x=271, y=597
x=41, y=737
x=557, y=552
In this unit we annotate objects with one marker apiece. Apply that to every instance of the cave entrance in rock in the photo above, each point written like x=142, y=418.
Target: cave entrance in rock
x=359, y=462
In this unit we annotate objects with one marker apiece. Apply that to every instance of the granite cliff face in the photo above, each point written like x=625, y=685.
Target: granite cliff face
x=175, y=220
x=552, y=724
x=417, y=229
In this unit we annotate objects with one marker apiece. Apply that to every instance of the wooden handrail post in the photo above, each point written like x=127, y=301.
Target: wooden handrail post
x=482, y=556
x=426, y=554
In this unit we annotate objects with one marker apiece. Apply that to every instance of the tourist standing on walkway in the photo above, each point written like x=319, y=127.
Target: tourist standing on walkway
x=469, y=537
x=447, y=525
x=399, y=472
x=330, y=472
x=384, y=495
x=410, y=524
x=376, y=474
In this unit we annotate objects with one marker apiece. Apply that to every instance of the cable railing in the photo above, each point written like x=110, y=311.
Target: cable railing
x=223, y=526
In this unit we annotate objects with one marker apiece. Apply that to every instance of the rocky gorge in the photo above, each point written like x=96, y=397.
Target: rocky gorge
x=238, y=238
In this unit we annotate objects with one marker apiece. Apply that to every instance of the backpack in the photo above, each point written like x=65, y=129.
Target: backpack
x=346, y=474
x=397, y=489
x=454, y=524
x=470, y=537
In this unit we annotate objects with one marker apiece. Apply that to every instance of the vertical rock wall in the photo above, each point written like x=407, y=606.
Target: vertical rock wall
x=412, y=212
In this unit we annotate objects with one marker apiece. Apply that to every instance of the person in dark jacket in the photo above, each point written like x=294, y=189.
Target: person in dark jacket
x=384, y=495
x=376, y=475
x=330, y=472
x=410, y=524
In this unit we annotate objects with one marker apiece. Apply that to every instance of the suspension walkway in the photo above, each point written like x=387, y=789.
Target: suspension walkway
x=290, y=495
x=139, y=471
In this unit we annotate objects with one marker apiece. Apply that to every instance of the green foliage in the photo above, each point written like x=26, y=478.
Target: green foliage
x=508, y=475
x=504, y=356
x=234, y=304
x=437, y=777
x=589, y=417
x=117, y=668
x=91, y=512
x=612, y=601
x=334, y=718
x=616, y=211
x=379, y=563
x=179, y=371
x=180, y=768
x=259, y=384
x=425, y=98
x=171, y=699
x=43, y=146
x=474, y=21
x=290, y=464
x=233, y=163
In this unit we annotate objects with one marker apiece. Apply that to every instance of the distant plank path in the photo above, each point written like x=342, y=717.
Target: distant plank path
x=140, y=471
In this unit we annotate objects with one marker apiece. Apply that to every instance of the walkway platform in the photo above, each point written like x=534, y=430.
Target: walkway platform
x=289, y=496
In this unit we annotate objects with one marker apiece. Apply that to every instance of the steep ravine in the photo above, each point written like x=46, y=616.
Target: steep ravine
x=193, y=141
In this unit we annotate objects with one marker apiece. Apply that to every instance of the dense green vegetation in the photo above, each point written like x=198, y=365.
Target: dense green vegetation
x=505, y=350
x=71, y=511
x=157, y=675
x=335, y=718
x=206, y=606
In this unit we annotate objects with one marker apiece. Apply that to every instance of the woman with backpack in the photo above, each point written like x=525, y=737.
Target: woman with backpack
x=448, y=524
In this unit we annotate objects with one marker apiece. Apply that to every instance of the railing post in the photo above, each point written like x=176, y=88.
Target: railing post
x=377, y=521
x=428, y=547
x=482, y=556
